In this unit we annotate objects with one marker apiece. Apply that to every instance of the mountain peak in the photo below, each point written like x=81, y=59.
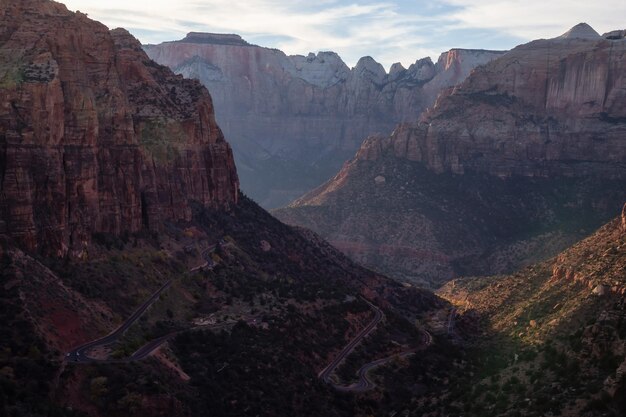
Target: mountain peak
x=581, y=31
x=368, y=65
x=215, y=38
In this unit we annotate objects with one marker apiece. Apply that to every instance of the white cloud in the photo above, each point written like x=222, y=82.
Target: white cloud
x=533, y=19
x=388, y=30
x=351, y=29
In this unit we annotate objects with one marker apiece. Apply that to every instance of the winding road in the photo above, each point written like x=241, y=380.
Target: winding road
x=79, y=354
x=364, y=383
x=325, y=374
x=203, y=255
x=147, y=349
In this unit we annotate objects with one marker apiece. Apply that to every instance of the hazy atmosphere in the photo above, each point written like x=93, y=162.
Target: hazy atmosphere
x=266, y=208
x=389, y=31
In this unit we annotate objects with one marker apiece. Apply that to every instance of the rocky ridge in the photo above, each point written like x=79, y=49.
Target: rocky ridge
x=547, y=118
x=564, y=316
x=293, y=120
x=95, y=137
x=550, y=107
x=604, y=274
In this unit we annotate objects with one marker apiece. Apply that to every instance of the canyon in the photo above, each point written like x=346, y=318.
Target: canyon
x=115, y=181
x=120, y=209
x=493, y=175
x=294, y=120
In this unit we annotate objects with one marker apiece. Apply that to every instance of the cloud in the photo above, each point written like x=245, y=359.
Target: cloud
x=533, y=19
x=381, y=29
x=388, y=30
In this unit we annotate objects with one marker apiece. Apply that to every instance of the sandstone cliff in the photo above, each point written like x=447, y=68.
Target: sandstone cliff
x=494, y=173
x=293, y=120
x=550, y=107
x=94, y=136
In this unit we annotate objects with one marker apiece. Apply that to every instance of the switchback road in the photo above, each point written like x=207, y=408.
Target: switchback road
x=79, y=354
x=325, y=374
x=364, y=383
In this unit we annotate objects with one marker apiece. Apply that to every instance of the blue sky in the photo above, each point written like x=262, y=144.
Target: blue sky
x=390, y=31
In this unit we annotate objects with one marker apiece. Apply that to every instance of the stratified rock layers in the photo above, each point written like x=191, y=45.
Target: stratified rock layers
x=94, y=136
x=512, y=165
x=294, y=120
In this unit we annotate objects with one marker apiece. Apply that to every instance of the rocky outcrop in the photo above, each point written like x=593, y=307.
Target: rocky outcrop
x=615, y=35
x=551, y=107
x=94, y=136
x=294, y=120
x=581, y=31
x=549, y=118
x=579, y=314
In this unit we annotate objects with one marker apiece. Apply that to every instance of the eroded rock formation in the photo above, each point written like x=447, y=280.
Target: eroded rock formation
x=294, y=120
x=494, y=174
x=96, y=137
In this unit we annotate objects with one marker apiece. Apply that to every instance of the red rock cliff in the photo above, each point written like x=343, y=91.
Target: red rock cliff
x=550, y=107
x=94, y=136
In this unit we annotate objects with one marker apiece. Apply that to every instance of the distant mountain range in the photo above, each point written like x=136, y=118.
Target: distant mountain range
x=525, y=156
x=294, y=120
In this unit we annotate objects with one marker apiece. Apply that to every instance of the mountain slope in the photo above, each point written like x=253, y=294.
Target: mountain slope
x=293, y=120
x=136, y=279
x=557, y=333
x=281, y=307
x=495, y=175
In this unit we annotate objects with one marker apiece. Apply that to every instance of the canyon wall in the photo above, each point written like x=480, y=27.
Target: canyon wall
x=512, y=165
x=294, y=120
x=95, y=137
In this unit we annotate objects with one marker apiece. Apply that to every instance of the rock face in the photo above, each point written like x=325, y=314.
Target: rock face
x=94, y=136
x=581, y=31
x=494, y=173
x=294, y=120
x=551, y=107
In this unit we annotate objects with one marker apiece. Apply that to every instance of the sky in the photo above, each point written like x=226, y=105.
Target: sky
x=389, y=31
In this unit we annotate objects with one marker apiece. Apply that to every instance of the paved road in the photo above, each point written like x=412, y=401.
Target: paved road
x=79, y=354
x=147, y=349
x=203, y=255
x=365, y=383
x=325, y=374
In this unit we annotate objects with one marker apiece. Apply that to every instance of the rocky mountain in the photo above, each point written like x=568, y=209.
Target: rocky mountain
x=136, y=279
x=95, y=137
x=212, y=306
x=496, y=174
x=555, y=332
x=294, y=120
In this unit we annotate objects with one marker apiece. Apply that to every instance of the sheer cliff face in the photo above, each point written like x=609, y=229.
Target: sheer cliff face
x=293, y=120
x=494, y=174
x=551, y=107
x=94, y=136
